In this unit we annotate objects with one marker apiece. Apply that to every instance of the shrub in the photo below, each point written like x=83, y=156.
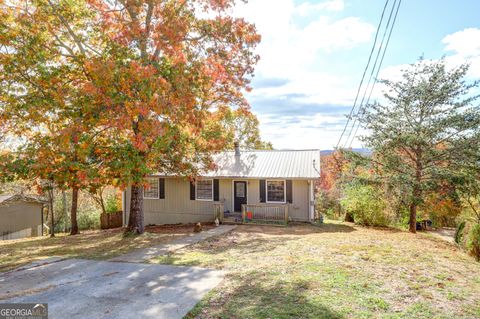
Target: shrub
x=366, y=204
x=89, y=219
x=459, y=232
x=468, y=237
x=111, y=204
x=327, y=205
x=473, y=241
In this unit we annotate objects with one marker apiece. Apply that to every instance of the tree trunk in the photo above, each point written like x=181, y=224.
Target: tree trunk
x=73, y=214
x=101, y=201
x=417, y=192
x=135, y=219
x=412, y=223
x=52, y=215
x=64, y=206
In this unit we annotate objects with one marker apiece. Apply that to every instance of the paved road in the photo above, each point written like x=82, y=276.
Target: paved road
x=76, y=288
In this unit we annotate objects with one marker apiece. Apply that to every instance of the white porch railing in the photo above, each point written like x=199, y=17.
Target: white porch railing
x=218, y=209
x=265, y=214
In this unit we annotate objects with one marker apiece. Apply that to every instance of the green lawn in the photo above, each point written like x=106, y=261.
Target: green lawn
x=334, y=271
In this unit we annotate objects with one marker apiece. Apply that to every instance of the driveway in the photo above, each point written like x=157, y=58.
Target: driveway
x=77, y=288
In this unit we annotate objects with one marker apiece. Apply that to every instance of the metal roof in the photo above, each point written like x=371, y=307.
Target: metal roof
x=4, y=199
x=302, y=164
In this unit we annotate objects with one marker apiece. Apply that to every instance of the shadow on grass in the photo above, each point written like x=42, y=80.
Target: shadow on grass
x=253, y=295
x=246, y=241
x=296, y=229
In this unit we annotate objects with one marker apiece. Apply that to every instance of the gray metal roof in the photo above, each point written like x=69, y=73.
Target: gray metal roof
x=4, y=199
x=302, y=164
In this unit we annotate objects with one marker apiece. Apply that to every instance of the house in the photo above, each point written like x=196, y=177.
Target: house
x=245, y=184
x=20, y=216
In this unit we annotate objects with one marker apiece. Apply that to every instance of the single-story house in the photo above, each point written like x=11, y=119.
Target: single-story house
x=20, y=216
x=260, y=182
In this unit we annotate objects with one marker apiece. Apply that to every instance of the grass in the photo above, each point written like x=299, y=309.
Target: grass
x=98, y=244
x=336, y=270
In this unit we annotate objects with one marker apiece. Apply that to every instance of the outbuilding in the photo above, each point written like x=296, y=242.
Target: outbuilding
x=20, y=216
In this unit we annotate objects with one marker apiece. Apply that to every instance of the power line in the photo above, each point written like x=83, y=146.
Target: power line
x=378, y=70
x=364, y=72
x=371, y=73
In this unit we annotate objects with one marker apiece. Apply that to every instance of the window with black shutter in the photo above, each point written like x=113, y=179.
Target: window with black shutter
x=262, y=191
x=161, y=188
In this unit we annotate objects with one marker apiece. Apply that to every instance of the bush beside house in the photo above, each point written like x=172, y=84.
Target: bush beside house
x=366, y=204
x=468, y=237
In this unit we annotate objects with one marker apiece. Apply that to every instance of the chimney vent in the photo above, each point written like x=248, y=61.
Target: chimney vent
x=237, y=148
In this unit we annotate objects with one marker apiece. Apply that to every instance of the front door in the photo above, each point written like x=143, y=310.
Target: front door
x=239, y=195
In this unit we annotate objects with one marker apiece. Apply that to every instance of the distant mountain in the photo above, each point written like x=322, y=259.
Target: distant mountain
x=365, y=151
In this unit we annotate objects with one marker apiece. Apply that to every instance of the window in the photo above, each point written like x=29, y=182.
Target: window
x=240, y=190
x=151, y=189
x=275, y=191
x=205, y=189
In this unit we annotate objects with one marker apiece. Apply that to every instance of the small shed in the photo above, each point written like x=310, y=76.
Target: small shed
x=20, y=216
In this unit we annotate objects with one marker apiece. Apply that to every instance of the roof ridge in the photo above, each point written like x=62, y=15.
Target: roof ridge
x=246, y=150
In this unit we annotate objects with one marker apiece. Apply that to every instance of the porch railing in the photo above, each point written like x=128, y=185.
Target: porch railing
x=265, y=214
x=218, y=211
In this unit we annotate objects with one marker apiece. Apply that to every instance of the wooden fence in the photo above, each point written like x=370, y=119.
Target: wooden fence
x=111, y=220
x=265, y=214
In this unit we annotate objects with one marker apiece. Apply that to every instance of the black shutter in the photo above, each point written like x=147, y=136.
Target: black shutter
x=161, y=188
x=262, y=191
x=289, y=191
x=216, y=187
x=192, y=190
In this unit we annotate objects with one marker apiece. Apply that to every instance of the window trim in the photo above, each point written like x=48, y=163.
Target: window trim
x=158, y=188
x=196, y=190
x=284, y=191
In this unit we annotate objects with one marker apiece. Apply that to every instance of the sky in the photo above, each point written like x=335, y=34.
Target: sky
x=313, y=53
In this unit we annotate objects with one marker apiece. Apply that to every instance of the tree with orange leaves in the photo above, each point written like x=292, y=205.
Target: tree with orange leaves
x=174, y=69
x=44, y=46
x=132, y=87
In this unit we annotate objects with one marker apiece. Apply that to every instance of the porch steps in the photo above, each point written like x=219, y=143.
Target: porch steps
x=232, y=220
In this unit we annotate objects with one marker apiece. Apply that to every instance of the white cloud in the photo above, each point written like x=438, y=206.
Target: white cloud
x=306, y=132
x=308, y=8
x=465, y=43
x=464, y=47
x=295, y=37
x=289, y=44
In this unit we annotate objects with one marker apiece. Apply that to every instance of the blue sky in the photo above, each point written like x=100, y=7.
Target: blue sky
x=313, y=54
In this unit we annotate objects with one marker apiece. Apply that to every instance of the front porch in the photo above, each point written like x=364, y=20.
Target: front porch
x=266, y=214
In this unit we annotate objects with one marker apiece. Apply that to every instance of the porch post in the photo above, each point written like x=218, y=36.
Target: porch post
x=311, y=204
x=286, y=213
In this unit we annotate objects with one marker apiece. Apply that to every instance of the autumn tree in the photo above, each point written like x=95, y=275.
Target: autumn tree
x=173, y=71
x=44, y=46
x=423, y=129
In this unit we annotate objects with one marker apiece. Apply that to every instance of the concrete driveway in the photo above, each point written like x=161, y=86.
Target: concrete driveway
x=76, y=288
